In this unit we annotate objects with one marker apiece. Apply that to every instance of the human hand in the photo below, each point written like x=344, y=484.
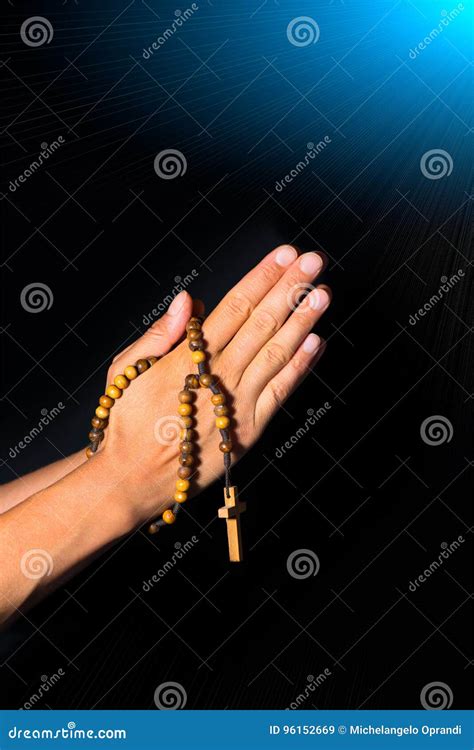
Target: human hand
x=258, y=345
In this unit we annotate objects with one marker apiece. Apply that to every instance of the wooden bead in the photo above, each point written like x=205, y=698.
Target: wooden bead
x=153, y=528
x=193, y=324
x=168, y=516
x=182, y=485
x=152, y=361
x=142, y=365
x=102, y=412
x=225, y=446
x=90, y=452
x=196, y=346
x=186, y=447
x=194, y=334
x=121, y=382
x=184, y=472
x=217, y=399
x=221, y=411
x=96, y=436
x=106, y=401
x=198, y=357
x=186, y=459
x=186, y=422
x=222, y=422
x=131, y=372
x=206, y=380
x=185, y=397
x=113, y=392
x=185, y=409
x=180, y=497
x=192, y=381
x=186, y=434
x=99, y=424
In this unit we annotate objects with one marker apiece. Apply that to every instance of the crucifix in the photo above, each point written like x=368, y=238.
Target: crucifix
x=231, y=512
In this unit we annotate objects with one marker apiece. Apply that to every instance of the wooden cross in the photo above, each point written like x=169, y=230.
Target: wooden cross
x=231, y=512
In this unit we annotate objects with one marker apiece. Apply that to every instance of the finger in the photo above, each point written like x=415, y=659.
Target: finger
x=273, y=310
x=162, y=335
x=277, y=353
x=237, y=305
x=282, y=385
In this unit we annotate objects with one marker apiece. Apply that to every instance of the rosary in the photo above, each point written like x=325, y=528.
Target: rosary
x=233, y=507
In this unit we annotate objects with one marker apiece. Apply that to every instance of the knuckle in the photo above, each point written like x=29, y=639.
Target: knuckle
x=269, y=272
x=279, y=394
x=238, y=305
x=265, y=321
x=275, y=355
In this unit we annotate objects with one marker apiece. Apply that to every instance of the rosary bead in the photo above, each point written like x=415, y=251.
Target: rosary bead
x=192, y=381
x=184, y=472
x=106, y=401
x=113, y=392
x=225, y=446
x=186, y=422
x=153, y=528
x=99, y=424
x=182, y=485
x=221, y=411
x=185, y=397
x=186, y=434
x=186, y=446
x=194, y=334
x=121, y=382
x=218, y=399
x=186, y=459
x=194, y=324
x=89, y=452
x=185, y=409
x=180, y=497
x=142, y=365
x=196, y=346
x=168, y=516
x=152, y=360
x=222, y=422
x=131, y=372
x=96, y=436
x=102, y=412
x=206, y=380
x=198, y=357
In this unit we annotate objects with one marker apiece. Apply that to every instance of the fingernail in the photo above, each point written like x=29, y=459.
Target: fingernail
x=318, y=299
x=177, y=304
x=310, y=263
x=286, y=255
x=311, y=343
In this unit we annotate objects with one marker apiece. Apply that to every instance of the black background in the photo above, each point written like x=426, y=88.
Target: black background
x=361, y=489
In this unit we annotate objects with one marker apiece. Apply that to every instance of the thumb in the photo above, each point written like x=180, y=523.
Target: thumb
x=160, y=337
